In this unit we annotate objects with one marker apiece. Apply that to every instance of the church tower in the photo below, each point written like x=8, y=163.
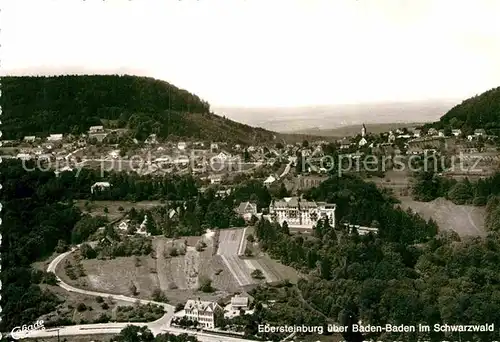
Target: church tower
x=363, y=131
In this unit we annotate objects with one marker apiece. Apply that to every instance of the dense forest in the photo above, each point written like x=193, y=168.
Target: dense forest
x=480, y=111
x=71, y=104
x=407, y=274
x=428, y=186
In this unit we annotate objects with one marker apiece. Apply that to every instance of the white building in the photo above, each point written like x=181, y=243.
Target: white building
x=247, y=210
x=215, y=179
x=270, y=180
x=301, y=214
x=432, y=132
x=181, y=145
x=456, y=132
x=123, y=225
x=479, y=132
x=239, y=303
x=362, y=142
x=362, y=230
x=23, y=156
x=181, y=160
x=55, y=137
x=214, y=147
x=29, y=138
x=114, y=154
x=223, y=156
x=100, y=186
x=203, y=312
x=96, y=129
x=151, y=139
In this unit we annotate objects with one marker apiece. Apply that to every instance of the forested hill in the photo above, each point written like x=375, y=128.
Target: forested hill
x=71, y=104
x=481, y=111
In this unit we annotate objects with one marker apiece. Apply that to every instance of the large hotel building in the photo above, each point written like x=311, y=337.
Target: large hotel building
x=299, y=213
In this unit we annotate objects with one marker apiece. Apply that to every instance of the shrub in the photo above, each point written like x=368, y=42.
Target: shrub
x=206, y=285
x=257, y=274
x=81, y=307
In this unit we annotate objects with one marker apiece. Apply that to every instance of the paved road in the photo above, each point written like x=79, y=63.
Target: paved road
x=159, y=326
x=287, y=169
x=155, y=326
x=115, y=328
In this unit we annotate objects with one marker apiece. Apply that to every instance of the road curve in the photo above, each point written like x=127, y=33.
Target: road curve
x=52, y=268
x=159, y=326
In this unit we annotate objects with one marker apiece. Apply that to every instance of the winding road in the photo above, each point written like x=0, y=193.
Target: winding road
x=159, y=326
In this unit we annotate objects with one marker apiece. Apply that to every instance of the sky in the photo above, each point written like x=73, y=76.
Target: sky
x=265, y=53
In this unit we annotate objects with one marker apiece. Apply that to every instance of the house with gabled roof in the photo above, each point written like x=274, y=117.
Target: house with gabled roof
x=239, y=303
x=479, y=132
x=247, y=210
x=269, y=180
x=100, y=186
x=96, y=129
x=203, y=312
x=55, y=137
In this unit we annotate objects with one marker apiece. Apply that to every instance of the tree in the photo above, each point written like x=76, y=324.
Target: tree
x=133, y=333
x=159, y=296
x=248, y=252
x=206, y=285
x=257, y=274
x=284, y=228
x=62, y=246
x=133, y=289
x=150, y=225
x=447, y=131
x=461, y=193
x=87, y=251
x=283, y=192
x=250, y=238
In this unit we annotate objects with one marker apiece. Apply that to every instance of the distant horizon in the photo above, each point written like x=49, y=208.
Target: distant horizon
x=261, y=54
x=27, y=73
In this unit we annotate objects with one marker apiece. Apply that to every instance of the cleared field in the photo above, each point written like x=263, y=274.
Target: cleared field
x=97, y=207
x=117, y=275
x=230, y=241
x=466, y=220
x=178, y=277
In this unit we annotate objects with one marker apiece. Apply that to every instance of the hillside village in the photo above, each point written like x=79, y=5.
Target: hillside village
x=213, y=235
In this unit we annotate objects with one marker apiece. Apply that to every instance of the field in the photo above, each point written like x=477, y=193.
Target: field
x=97, y=207
x=115, y=276
x=177, y=276
x=397, y=181
x=466, y=220
x=232, y=246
